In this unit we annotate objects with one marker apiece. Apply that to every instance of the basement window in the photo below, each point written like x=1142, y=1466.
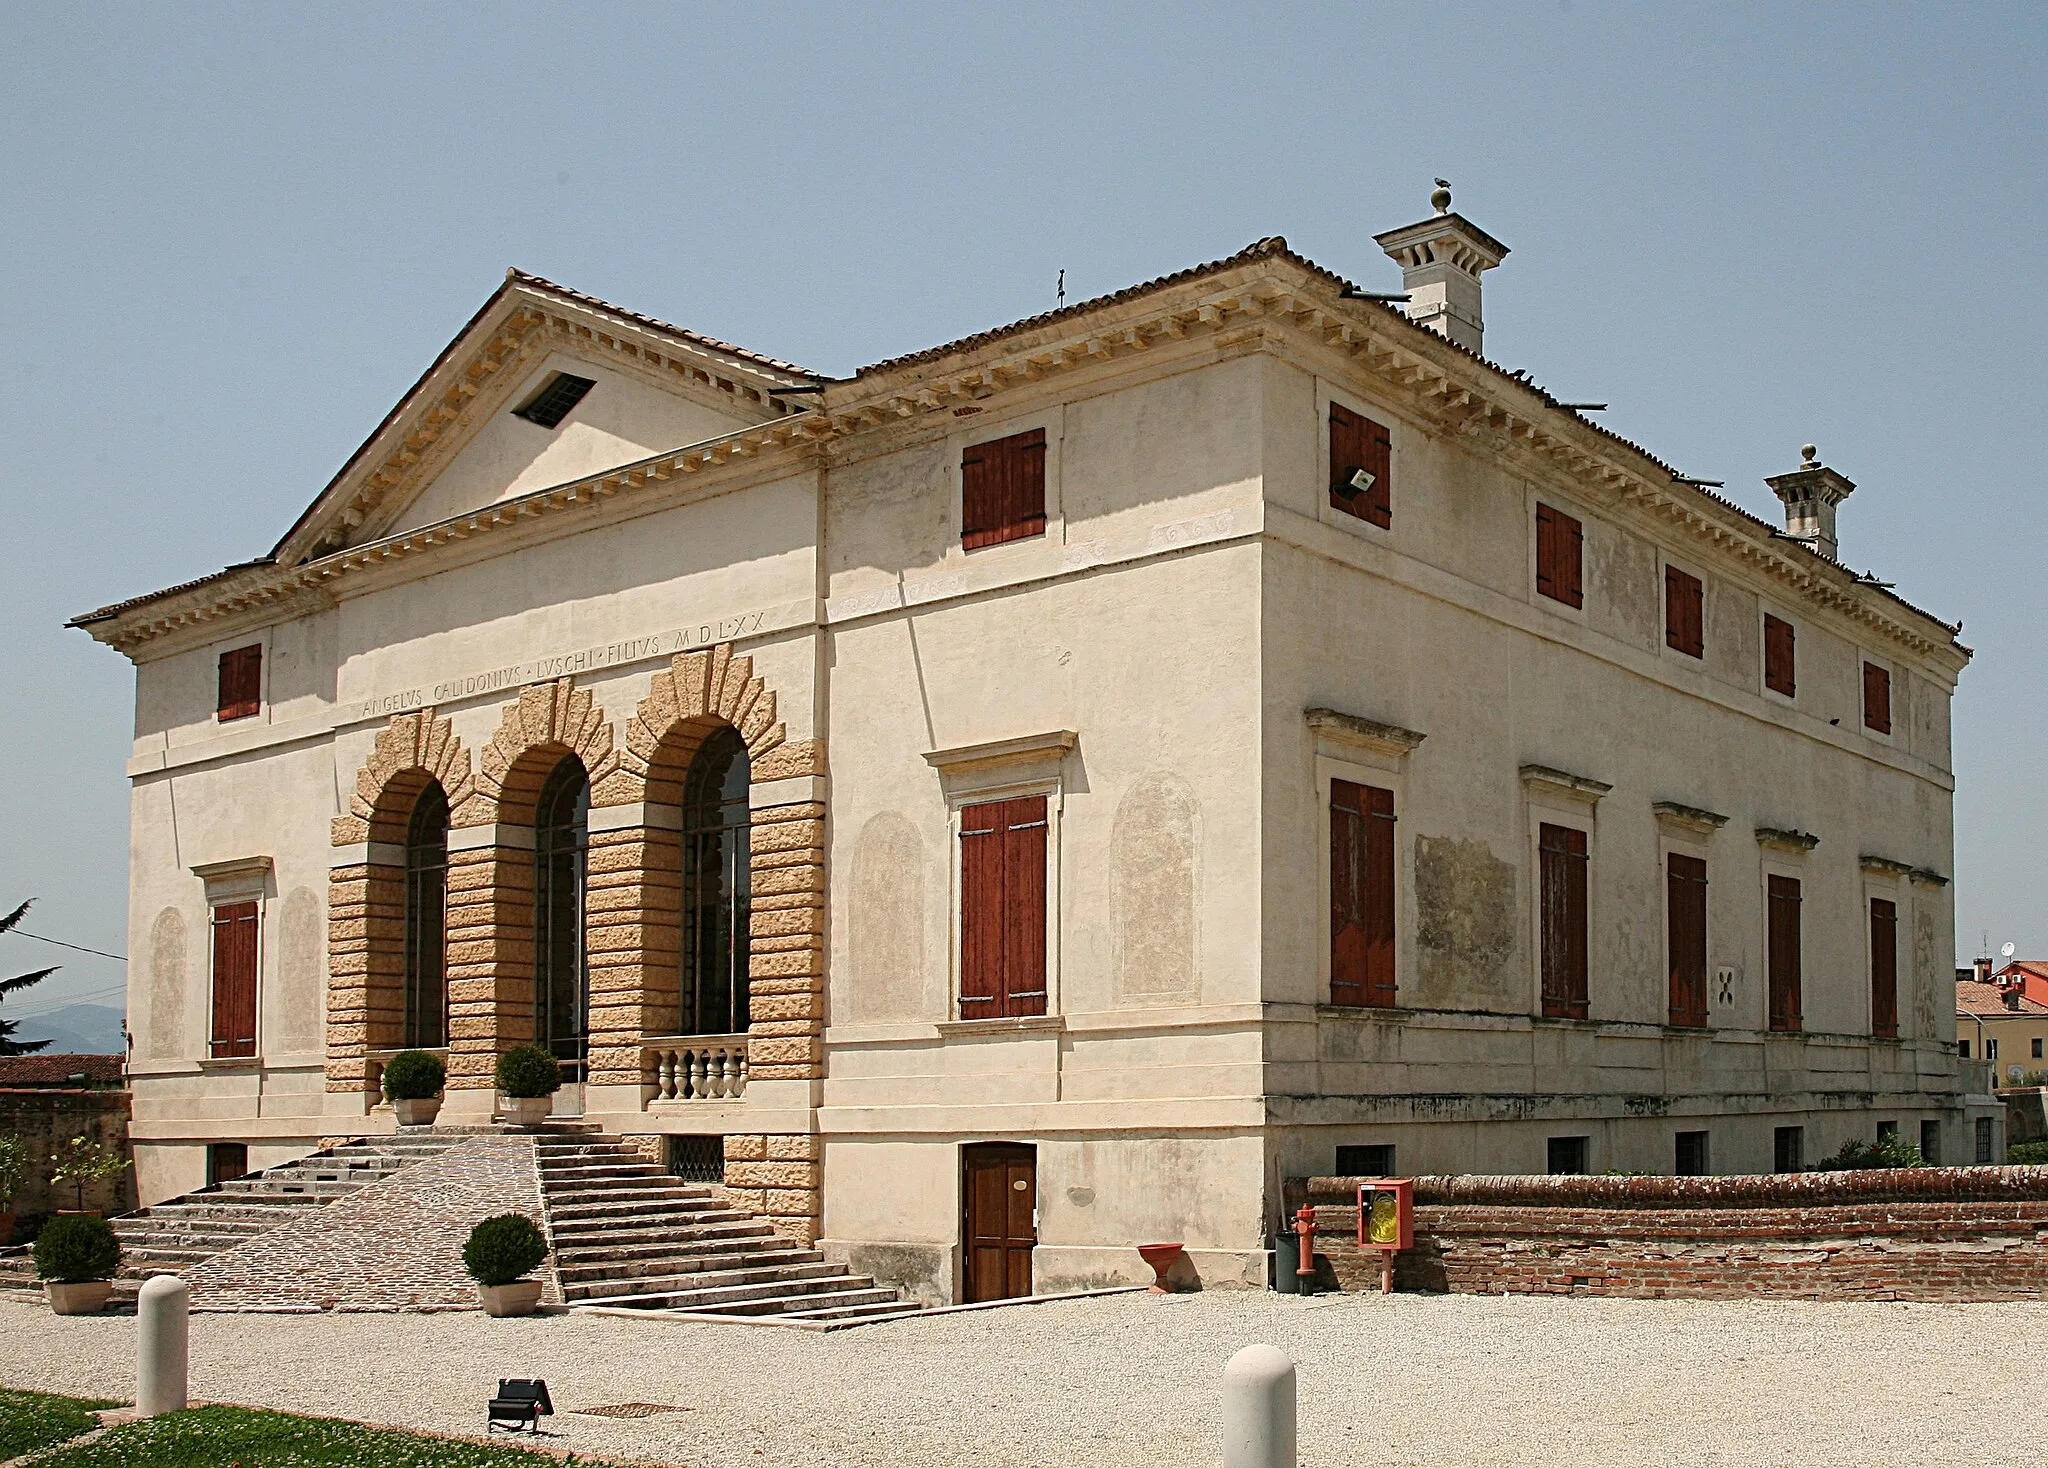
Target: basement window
x=1567, y=1155
x=697, y=1159
x=1376, y=1160
x=557, y=396
x=1691, y=1155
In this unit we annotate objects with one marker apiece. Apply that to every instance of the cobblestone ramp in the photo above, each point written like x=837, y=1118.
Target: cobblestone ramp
x=395, y=1245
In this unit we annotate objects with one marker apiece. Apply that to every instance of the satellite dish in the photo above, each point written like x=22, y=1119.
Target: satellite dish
x=2007, y=952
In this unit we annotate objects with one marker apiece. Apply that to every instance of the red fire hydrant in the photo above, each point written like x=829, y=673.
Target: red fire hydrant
x=1305, y=1230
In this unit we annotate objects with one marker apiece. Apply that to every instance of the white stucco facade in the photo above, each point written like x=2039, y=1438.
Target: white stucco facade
x=1148, y=664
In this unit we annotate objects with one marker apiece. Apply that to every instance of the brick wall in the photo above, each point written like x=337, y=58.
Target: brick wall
x=1961, y=1233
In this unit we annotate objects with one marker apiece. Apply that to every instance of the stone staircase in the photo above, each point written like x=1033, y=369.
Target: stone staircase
x=627, y=1234
x=172, y=1236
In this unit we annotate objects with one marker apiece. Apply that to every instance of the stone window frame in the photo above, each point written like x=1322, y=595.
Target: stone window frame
x=238, y=879
x=1686, y=830
x=1005, y=769
x=978, y=429
x=1365, y=752
x=1558, y=798
x=1895, y=674
x=1327, y=393
x=1666, y=561
x=1537, y=494
x=1767, y=607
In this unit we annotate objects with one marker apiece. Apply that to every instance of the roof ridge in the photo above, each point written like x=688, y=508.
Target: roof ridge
x=515, y=275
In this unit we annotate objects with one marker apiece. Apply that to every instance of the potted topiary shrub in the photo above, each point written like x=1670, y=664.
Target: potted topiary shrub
x=13, y=1167
x=529, y=1077
x=499, y=1251
x=76, y=1255
x=413, y=1080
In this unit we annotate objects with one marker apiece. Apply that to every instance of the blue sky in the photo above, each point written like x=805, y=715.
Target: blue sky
x=234, y=234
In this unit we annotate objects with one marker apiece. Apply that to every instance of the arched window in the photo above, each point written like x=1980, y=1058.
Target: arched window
x=426, y=933
x=716, y=888
x=561, y=845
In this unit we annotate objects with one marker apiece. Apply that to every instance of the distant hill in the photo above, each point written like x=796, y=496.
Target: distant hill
x=76, y=1029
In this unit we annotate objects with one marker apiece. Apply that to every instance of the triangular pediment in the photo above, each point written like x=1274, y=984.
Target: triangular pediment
x=457, y=442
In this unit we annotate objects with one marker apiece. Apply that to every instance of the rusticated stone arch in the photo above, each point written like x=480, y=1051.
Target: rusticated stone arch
x=635, y=913
x=366, y=890
x=547, y=721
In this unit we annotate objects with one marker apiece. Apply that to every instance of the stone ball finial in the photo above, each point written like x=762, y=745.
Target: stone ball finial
x=1441, y=199
x=1806, y=454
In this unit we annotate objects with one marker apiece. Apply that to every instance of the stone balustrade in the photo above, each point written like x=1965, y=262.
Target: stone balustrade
x=697, y=1067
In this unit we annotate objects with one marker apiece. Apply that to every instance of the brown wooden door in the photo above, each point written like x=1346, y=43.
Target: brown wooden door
x=1001, y=1190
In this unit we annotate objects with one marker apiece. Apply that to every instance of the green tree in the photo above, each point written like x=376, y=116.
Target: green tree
x=8, y=1044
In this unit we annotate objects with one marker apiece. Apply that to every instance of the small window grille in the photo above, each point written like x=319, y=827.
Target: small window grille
x=1568, y=1154
x=553, y=402
x=1788, y=1149
x=1930, y=1143
x=1372, y=1161
x=1983, y=1139
x=1691, y=1160
x=697, y=1159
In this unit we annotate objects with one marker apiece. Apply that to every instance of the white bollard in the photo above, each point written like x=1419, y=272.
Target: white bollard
x=161, y=1345
x=1258, y=1409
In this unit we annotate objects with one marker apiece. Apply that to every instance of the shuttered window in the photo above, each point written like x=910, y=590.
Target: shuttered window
x=234, y=980
x=1002, y=908
x=1563, y=882
x=1877, y=698
x=1356, y=442
x=1560, y=553
x=1884, y=969
x=241, y=683
x=1783, y=955
x=1778, y=656
x=1684, y=613
x=1361, y=894
x=1002, y=490
x=1685, y=917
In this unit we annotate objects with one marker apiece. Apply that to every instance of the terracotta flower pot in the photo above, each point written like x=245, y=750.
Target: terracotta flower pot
x=417, y=1112
x=83, y=1297
x=1162, y=1258
x=526, y=1110
x=517, y=1298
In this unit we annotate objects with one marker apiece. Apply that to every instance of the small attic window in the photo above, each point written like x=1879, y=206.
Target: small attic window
x=557, y=396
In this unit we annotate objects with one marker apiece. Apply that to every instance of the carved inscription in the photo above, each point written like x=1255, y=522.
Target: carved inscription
x=561, y=665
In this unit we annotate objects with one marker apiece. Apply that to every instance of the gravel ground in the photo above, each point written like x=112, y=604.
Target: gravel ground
x=1134, y=1379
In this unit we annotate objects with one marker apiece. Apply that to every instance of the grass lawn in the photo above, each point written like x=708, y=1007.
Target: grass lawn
x=30, y=1420
x=217, y=1437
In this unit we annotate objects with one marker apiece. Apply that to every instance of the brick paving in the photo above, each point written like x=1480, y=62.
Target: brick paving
x=395, y=1245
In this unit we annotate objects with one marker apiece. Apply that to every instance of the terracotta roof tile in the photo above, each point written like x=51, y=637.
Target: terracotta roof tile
x=1987, y=1001
x=59, y=1070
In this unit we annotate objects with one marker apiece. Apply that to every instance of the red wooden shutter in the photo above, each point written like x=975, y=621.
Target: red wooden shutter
x=1002, y=908
x=1356, y=442
x=1560, y=554
x=1024, y=907
x=241, y=683
x=1361, y=894
x=1779, y=648
x=1002, y=489
x=1877, y=698
x=1784, y=953
x=1884, y=969
x=1563, y=881
x=234, y=980
x=1684, y=613
x=1685, y=906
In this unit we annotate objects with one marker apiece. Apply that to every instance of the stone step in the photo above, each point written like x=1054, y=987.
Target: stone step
x=758, y=1299
x=873, y=1312
x=634, y=1194
x=783, y=1276
x=663, y=1265
x=629, y=1255
x=604, y=1172
x=632, y=1230
x=681, y=1212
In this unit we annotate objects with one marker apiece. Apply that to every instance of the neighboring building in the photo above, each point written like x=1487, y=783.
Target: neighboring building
x=1221, y=731
x=2029, y=976
x=1996, y=1022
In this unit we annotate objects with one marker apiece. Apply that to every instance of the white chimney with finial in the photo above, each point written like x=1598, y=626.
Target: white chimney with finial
x=1811, y=493
x=1441, y=260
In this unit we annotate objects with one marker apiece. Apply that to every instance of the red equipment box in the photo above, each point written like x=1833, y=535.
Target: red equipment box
x=1386, y=1214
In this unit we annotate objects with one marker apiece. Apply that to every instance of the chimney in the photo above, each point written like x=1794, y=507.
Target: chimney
x=1441, y=260
x=1811, y=493
x=1983, y=967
